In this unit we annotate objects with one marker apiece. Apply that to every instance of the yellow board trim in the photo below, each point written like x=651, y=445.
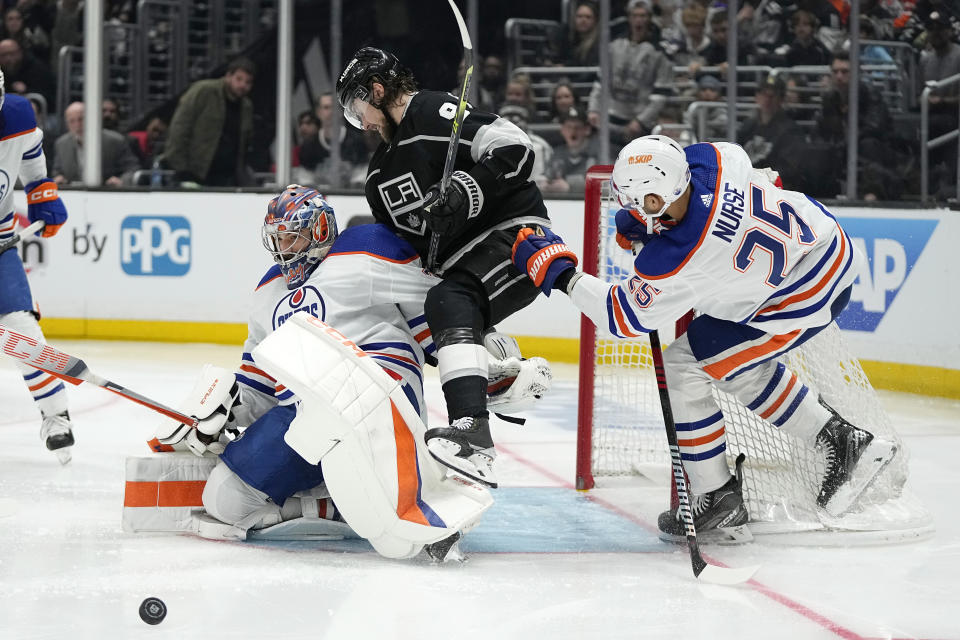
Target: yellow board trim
x=912, y=378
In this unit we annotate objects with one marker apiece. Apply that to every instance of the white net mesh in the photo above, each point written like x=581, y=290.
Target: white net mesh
x=781, y=475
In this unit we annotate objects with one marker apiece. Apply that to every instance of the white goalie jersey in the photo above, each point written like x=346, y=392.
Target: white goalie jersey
x=371, y=287
x=746, y=251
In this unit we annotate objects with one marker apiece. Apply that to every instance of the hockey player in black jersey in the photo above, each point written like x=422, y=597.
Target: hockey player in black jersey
x=489, y=199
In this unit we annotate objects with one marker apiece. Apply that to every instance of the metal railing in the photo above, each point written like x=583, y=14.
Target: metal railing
x=926, y=144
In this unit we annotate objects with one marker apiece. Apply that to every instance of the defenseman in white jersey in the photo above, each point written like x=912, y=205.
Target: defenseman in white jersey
x=368, y=284
x=766, y=268
x=21, y=155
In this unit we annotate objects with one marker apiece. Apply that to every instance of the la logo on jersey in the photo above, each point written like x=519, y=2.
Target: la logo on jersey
x=402, y=197
x=893, y=248
x=303, y=300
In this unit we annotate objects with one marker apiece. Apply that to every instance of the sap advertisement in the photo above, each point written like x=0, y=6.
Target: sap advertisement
x=196, y=257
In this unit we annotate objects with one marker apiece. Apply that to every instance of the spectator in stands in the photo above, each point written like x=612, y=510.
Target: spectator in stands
x=562, y=99
x=543, y=152
x=715, y=55
x=579, y=45
x=491, y=90
x=832, y=16
x=315, y=152
x=640, y=77
x=29, y=22
x=670, y=123
x=24, y=73
x=805, y=48
x=520, y=92
x=111, y=115
x=871, y=54
x=877, y=175
x=148, y=143
x=117, y=161
x=568, y=167
x=942, y=60
x=208, y=135
x=771, y=138
x=687, y=49
x=915, y=30
x=765, y=24
x=67, y=30
x=40, y=112
x=710, y=89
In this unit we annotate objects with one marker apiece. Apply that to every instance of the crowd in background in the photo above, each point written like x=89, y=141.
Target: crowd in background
x=663, y=55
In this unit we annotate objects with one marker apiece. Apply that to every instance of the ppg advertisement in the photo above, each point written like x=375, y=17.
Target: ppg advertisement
x=196, y=257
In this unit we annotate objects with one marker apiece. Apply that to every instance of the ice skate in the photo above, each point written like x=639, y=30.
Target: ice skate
x=466, y=447
x=446, y=550
x=56, y=433
x=719, y=516
x=854, y=459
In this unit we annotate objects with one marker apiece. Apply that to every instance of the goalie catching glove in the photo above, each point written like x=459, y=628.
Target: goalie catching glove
x=44, y=203
x=449, y=210
x=213, y=401
x=543, y=256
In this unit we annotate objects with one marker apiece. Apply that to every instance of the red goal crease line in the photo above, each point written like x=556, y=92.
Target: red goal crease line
x=796, y=607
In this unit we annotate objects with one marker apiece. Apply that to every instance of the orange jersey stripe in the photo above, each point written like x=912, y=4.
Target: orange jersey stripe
x=779, y=401
x=407, y=481
x=423, y=335
x=252, y=369
x=42, y=383
x=719, y=370
x=177, y=493
x=279, y=275
x=618, y=315
x=706, y=227
x=395, y=357
x=17, y=135
x=819, y=286
x=693, y=442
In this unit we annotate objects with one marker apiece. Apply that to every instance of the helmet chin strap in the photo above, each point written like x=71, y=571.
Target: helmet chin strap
x=650, y=218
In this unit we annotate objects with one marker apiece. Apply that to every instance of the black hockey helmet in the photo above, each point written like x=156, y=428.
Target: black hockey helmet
x=367, y=64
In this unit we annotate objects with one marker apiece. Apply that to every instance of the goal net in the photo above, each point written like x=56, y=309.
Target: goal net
x=621, y=431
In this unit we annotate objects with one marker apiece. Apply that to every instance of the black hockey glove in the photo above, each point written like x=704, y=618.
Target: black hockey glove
x=448, y=211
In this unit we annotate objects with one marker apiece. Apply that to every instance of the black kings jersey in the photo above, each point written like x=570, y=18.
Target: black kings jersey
x=493, y=150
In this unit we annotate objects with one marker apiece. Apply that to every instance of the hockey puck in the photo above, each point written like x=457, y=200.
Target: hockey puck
x=153, y=611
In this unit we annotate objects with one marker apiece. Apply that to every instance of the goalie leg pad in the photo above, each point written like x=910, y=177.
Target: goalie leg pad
x=263, y=459
x=163, y=493
x=359, y=422
x=230, y=500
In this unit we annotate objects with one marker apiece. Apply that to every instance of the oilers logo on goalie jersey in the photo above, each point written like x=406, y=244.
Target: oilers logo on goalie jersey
x=302, y=300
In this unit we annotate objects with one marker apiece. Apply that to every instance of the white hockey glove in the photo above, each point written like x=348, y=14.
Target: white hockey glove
x=213, y=400
x=514, y=383
x=772, y=175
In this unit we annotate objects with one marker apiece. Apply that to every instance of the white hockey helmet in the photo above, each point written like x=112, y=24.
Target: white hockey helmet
x=650, y=165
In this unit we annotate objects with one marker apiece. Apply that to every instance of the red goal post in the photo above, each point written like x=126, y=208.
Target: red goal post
x=620, y=425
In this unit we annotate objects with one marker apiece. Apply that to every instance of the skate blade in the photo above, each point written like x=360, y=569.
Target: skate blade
x=725, y=536
x=872, y=462
x=477, y=467
x=64, y=455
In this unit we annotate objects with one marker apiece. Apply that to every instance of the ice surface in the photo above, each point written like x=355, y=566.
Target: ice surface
x=547, y=562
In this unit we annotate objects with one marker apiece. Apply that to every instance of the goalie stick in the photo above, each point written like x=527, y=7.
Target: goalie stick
x=20, y=235
x=74, y=370
x=457, y=123
x=702, y=569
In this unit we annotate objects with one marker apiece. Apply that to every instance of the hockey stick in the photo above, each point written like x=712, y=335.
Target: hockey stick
x=702, y=569
x=74, y=370
x=20, y=235
x=457, y=123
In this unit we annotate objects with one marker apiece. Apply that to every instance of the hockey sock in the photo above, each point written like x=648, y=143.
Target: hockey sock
x=454, y=310
x=777, y=395
x=47, y=391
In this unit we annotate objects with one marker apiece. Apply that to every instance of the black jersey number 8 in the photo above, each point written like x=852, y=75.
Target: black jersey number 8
x=448, y=111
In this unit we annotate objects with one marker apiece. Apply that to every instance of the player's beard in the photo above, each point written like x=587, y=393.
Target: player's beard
x=389, y=127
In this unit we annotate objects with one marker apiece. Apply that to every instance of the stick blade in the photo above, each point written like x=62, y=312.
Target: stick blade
x=712, y=574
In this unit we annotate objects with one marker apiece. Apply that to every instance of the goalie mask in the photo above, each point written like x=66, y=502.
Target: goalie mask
x=353, y=86
x=650, y=165
x=298, y=231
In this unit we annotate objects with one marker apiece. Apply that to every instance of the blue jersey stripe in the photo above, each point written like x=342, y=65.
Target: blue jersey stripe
x=774, y=381
x=699, y=424
x=806, y=311
x=253, y=384
x=792, y=408
x=376, y=346
x=56, y=389
x=706, y=455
